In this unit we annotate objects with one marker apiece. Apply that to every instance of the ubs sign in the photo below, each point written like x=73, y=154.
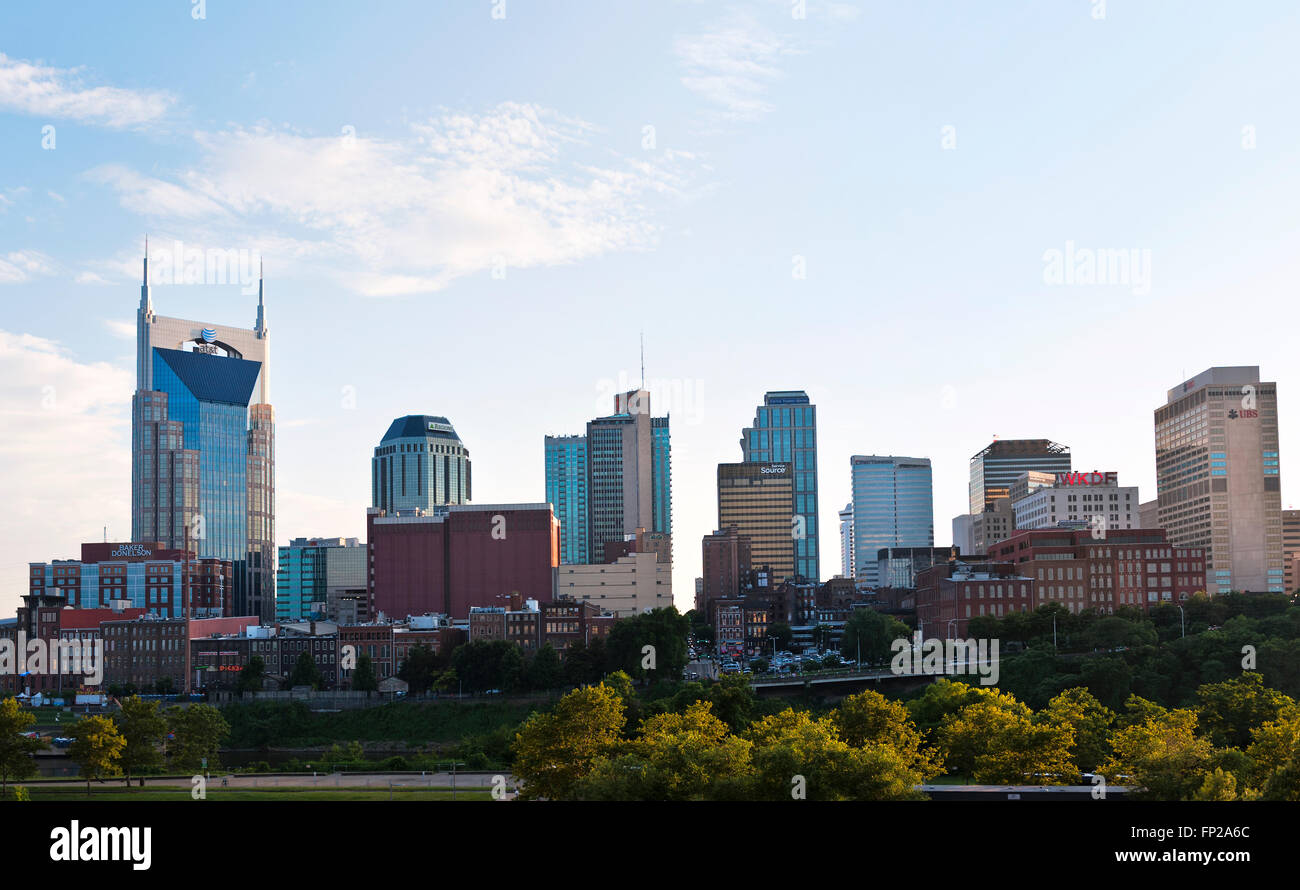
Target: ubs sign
x=1093, y=478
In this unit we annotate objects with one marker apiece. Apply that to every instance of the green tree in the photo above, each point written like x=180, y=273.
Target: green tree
x=781, y=634
x=252, y=676
x=555, y=751
x=142, y=726
x=1090, y=720
x=544, y=670
x=487, y=664
x=1229, y=711
x=869, y=718
x=16, y=749
x=873, y=633
x=96, y=748
x=306, y=673
x=197, y=731
x=1163, y=755
x=664, y=630
x=419, y=667
x=363, y=678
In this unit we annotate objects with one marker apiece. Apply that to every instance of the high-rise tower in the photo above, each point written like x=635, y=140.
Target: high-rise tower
x=203, y=445
x=785, y=431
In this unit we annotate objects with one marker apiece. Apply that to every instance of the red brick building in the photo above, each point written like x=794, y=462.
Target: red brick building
x=1132, y=567
x=460, y=556
x=949, y=594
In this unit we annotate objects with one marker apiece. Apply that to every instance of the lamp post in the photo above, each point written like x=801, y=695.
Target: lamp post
x=1182, y=617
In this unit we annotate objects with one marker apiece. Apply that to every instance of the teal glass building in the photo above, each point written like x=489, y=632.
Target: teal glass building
x=893, y=507
x=785, y=431
x=567, y=493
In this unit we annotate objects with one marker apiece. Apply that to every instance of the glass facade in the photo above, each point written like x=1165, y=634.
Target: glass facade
x=785, y=431
x=566, y=492
x=893, y=506
x=605, y=486
x=663, y=475
x=420, y=464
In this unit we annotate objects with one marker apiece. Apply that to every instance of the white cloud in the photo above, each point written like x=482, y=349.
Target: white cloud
x=90, y=278
x=731, y=64
x=124, y=330
x=65, y=457
x=21, y=265
x=456, y=195
x=41, y=91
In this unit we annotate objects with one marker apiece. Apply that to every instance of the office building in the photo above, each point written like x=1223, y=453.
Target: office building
x=628, y=586
x=1083, y=570
x=566, y=492
x=1089, y=500
x=1218, y=480
x=313, y=571
x=727, y=561
x=996, y=467
x=897, y=567
x=893, y=506
x=785, y=431
x=846, y=541
x=460, y=556
x=144, y=576
x=629, y=472
x=418, y=465
x=759, y=501
x=203, y=446
x=1291, y=548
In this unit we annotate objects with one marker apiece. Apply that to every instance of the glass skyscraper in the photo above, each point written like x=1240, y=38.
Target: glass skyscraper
x=203, y=447
x=893, y=506
x=566, y=492
x=785, y=431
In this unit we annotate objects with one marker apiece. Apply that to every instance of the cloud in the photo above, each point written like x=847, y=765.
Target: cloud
x=123, y=330
x=20, y=265
x=65, y=457
x=40, y=91
x=517, y=186
x=731, y=64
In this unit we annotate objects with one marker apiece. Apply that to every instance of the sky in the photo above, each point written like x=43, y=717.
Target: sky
x=476, y=209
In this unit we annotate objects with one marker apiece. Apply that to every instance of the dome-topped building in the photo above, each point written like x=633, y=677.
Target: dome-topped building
x=419, y=464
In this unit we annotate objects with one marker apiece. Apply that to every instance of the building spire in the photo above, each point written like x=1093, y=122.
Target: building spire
x=261, y=302
x=146, y=299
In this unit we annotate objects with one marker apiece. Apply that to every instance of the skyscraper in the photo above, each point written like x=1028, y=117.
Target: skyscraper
x=1218, y=483
x=628, y=473
x=893, y=506
x=566, y=492
x=846, y=540
x=203, y=445
x=758, y=500
x=785, y=431
x=993, y=469
x=418, y=465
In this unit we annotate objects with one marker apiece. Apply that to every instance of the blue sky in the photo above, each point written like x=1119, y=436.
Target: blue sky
x=466, y=215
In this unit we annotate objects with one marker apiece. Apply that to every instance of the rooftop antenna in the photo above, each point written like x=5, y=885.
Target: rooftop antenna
x=643, y=359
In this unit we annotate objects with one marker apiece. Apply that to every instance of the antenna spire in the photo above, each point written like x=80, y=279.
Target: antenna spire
x=643, y=359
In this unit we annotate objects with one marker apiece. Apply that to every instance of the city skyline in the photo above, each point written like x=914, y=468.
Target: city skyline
x=772, y=232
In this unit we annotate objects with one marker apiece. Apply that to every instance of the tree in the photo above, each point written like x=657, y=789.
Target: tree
x=869, y=718
x=793, y=752
x=545, y=671
x=585, y=663
x=16, y=749
x=1229, y=711
x=198, y=731
x=555, y=751
x=781, y=634
x=686, y=756
x=1090, y=720
x=873, y=633
x=663, y=630
x=142, y=726
x=417, y=670
x=995, y=736
x=363, y=678
x=488, y=664
x=733, y=701
x=1163, y=755
x=96, y=748
x=306, y=673
x=252, y=676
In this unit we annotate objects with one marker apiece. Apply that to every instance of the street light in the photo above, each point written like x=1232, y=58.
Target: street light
x=1182, y=616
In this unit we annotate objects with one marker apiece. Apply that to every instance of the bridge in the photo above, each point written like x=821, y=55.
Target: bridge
x=848, y=681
